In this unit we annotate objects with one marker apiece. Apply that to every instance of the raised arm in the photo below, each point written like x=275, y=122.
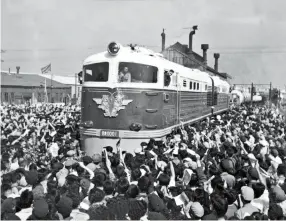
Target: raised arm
x=173, y=175
x=108, y=165
x=91, y=173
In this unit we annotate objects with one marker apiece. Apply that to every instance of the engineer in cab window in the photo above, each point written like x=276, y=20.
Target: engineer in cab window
x=124, y=76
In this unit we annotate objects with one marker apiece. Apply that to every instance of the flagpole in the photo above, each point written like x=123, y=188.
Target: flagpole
x=51, y=85
x=46, y=95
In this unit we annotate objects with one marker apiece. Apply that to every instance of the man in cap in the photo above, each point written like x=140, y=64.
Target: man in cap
x=194, y=211
x=247, y=195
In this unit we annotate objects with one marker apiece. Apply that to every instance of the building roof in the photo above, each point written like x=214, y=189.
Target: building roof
x=68, y=80
x=198, y=58
x=185, y=49
x=28, y=80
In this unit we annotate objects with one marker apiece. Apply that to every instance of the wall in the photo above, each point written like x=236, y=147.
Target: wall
x=20, y=95
x=179, y=58
x=78, y=91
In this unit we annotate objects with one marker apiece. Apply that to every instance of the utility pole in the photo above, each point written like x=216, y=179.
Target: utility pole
x=51, y=89
x=2, y=51
x=251, y=95
x=270, y=92
x=75, y=87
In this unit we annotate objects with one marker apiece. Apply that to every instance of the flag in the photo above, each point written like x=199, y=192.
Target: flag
x=46, y=69
x=118, y=143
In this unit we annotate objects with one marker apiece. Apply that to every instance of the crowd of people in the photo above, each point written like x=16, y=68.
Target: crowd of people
x=228, y=167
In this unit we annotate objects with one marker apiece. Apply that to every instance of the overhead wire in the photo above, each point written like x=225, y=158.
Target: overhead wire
x=256, y=49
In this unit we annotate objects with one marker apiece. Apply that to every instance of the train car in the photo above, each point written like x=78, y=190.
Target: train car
x=242, y=96
x=135, y=94
x=283, y=98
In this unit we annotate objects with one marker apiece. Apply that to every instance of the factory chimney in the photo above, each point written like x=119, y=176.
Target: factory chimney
x=216, y=56
x=163, y=40
x=191, y=37
x=205, y=47
x=18, y=69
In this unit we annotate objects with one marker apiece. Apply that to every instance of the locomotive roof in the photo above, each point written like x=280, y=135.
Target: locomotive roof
x=148, y=57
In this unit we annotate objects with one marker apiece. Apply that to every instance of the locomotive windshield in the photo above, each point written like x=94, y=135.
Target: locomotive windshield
x=96, y=72
x=137, y=73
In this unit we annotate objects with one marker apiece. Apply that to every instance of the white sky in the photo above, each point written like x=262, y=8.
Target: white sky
x=249, y=34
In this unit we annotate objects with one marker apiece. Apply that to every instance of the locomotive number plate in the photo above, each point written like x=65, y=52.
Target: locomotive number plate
x=109, y=133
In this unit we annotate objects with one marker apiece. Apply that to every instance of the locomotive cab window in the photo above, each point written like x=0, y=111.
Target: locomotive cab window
x=137, y=73
x=96, y=72
x=167, y=78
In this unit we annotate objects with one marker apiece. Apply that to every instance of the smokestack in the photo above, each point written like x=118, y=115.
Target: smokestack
x=191, y=37
x=216, y=56
x=205, y=47
x=18, y=69
x=163, y=40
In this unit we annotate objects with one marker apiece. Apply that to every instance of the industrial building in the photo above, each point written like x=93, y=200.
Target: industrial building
x=20, y=88
x=183, y=54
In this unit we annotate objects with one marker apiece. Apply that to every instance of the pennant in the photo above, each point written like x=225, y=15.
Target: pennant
x=187, y=176
x=181, y=199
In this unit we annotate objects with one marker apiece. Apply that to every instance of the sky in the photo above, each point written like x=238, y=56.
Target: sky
x=250, y=35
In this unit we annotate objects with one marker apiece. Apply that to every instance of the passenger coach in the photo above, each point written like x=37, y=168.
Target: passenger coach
x=135, y=94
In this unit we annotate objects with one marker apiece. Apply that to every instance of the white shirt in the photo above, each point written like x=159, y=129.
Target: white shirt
x=14, y=166
x=24, y=213
x=262, y=203
x=283, y=206
x=77, y=215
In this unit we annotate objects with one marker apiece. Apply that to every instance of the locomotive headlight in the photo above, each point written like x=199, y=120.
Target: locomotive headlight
x=87, y=124
x=113, y=48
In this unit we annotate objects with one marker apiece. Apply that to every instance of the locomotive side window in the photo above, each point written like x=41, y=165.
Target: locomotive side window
x=198, y=86
x=206, y=87
x=96, y=72
x=137, y=73
x=194, y=86
x=191, y=85
x=184, y=83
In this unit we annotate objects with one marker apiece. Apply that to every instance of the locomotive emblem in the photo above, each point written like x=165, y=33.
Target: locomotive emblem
x=112, y=103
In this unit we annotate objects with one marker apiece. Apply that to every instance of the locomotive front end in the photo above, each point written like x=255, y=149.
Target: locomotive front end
x=120, y=100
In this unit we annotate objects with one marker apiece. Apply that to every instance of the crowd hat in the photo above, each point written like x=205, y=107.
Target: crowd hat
x=253, y=173
x=138, y=150
x=64, y=206
x=71, y=153
x=31, y=177
x=156, y=204
x=247, y=193
x=197, y=209
x=38, y=192
x=41, y=208
x=227, y=165
x=97, y=158
x=70, y=162
x=279, y=194
x=91, y=166
x=8, y=206
x=61, y=176
x=85, y=183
